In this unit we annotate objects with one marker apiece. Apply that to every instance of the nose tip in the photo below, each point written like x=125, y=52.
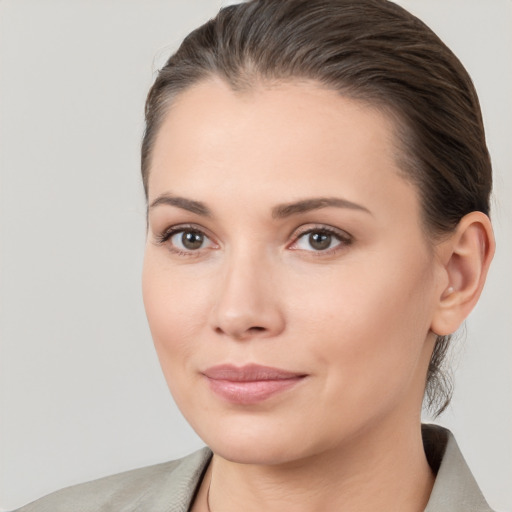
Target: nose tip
x=247, y=305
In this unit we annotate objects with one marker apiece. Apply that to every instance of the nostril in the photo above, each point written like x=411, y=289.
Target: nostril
x=243, y=334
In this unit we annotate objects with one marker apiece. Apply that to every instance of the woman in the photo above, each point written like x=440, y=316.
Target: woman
x=318, y=189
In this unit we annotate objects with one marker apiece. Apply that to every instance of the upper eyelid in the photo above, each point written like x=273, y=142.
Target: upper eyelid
x=308, y=228
x=184, y=227
x=165, y=234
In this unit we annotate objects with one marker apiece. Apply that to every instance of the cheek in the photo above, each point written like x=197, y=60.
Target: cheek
x=362, y=324
x=175, y=304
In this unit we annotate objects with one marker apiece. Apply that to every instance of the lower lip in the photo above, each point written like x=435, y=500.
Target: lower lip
x=252, y=392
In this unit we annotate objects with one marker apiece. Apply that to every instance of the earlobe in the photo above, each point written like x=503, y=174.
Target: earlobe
x=466, y=257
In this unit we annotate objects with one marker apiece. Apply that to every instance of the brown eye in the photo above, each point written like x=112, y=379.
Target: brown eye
x=320, y=241
x=187, y=240
x=192, y=240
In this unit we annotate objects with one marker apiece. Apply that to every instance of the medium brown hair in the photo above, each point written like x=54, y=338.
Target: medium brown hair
x=370, y=50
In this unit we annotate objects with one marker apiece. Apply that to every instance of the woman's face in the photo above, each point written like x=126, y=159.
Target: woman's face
x=287, y=281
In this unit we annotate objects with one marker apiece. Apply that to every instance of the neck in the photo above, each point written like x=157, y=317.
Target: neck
x=382, y=470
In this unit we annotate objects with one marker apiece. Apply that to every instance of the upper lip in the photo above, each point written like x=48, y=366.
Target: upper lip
x=249, y=373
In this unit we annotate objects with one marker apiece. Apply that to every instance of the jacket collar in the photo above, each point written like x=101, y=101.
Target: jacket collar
x=455, y=489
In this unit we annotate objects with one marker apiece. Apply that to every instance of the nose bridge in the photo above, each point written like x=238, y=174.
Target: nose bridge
x=247, y=304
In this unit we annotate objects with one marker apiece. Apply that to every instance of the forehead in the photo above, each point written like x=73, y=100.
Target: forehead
x=295, y=110
x=289, y=138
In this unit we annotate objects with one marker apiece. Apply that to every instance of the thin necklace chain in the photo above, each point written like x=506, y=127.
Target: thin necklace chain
x=208, y=496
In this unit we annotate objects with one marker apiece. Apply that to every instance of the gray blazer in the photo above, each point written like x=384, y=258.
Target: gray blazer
x=170, y=487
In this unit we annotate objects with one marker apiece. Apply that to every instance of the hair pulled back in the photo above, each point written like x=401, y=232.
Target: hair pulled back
x=369, y=50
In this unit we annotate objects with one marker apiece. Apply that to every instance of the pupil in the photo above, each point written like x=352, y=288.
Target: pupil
x=192, y=240
x=319, y=241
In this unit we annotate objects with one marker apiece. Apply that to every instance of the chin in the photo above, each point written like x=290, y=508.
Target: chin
x=256, y=442
x=261, y=452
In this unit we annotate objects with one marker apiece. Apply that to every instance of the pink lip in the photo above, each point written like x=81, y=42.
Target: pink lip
x=249, y=384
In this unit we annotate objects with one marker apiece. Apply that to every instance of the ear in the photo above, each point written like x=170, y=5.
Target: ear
x=465, y=257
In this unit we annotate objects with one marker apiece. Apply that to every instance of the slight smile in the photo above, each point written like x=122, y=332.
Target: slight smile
x=250, y=384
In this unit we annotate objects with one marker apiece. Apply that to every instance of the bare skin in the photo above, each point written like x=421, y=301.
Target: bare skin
x=282, y=234
x=317, y=484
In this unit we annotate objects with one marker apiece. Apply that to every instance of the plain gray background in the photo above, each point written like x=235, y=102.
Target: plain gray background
x=81, y=392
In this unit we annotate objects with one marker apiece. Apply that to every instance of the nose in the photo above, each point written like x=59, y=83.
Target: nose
x=247, y=303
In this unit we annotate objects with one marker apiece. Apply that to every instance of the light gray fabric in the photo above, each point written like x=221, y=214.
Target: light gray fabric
x=170, y=487
x=167, y=487
x=455, y=489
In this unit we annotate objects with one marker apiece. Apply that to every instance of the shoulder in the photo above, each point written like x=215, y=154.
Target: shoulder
x=167, y=487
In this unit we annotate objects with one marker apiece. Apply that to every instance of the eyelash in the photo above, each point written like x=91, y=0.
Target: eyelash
x=343, y=237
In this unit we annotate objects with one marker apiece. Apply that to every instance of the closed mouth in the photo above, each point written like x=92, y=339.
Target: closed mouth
x=250, y=384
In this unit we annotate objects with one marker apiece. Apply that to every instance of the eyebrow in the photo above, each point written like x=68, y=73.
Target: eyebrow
x=181, y=202
x=280, y=211
x=306, y=205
